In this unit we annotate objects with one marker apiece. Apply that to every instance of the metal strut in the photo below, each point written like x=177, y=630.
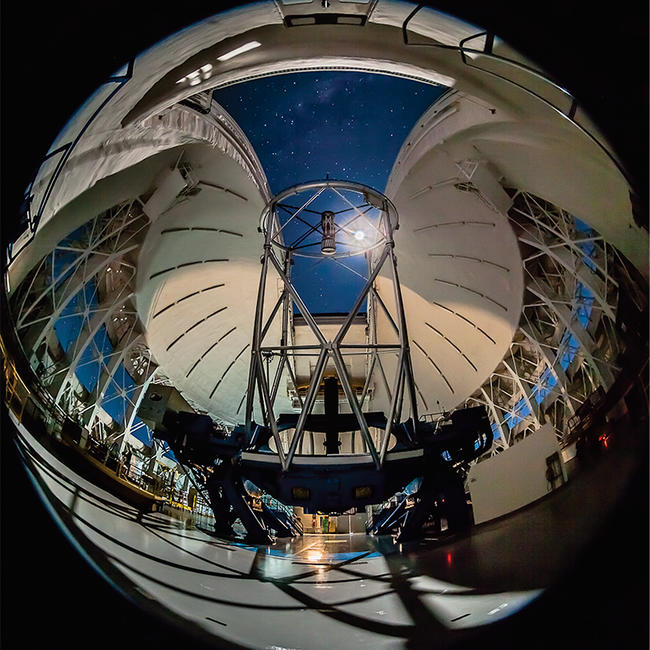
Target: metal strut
x=315, y=233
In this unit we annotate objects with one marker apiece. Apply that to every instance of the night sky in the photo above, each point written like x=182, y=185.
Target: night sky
x=348, y=125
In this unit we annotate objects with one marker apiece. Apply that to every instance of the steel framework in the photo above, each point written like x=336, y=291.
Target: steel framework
x=75, y=318
x=291, y=231
x=568, y=338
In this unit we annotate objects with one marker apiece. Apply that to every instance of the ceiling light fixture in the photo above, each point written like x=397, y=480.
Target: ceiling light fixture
x=240, y=50
x=200, y=74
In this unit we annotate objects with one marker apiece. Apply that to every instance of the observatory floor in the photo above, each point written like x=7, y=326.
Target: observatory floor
x=323, y=591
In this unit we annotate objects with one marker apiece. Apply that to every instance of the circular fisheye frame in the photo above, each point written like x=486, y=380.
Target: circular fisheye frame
x=330, y=317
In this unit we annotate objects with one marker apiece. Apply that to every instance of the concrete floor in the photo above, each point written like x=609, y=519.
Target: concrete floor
x=323, y=591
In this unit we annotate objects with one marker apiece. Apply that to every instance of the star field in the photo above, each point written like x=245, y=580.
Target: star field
x=345, y=125
x=306, y=125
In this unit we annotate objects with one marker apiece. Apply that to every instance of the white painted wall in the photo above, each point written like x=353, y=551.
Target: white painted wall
x=513, y=478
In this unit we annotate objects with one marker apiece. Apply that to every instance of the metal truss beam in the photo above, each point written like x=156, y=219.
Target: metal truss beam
x=525, y=392
x=116, y=358
x=135, y=401
x=378, y=254
x=566, y=258
x=551, y=363
x=556, y=304
x=107, y=236
x=505, y=438
x=93, y=265
x=573, y=263
x=101, y=317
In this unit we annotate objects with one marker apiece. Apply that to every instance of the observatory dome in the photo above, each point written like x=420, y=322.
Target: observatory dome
x=517, y=285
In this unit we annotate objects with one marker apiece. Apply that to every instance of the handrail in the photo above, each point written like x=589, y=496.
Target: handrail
x=40, y=398
x=487, y=52
x=66, y=149
x=121, y=80
x=228, y=128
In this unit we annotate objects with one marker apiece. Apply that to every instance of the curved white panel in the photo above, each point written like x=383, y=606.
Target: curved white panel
x=462, y=283
x=198, y=275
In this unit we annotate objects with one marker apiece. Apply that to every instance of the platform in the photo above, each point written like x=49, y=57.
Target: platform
x=344, y=588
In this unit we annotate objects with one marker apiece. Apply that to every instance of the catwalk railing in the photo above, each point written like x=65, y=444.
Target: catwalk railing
x=468, y=54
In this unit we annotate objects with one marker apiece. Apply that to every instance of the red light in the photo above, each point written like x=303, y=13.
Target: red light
x=449, y=559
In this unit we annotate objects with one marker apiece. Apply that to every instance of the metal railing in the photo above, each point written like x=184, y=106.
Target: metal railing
x=274, y=504
x=66, y=150
x=487, y=52
x=27, y=399
x=229, y=129
x=202, y=516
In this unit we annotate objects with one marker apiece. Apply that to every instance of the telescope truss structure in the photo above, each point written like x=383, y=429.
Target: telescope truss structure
x=295, y=231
